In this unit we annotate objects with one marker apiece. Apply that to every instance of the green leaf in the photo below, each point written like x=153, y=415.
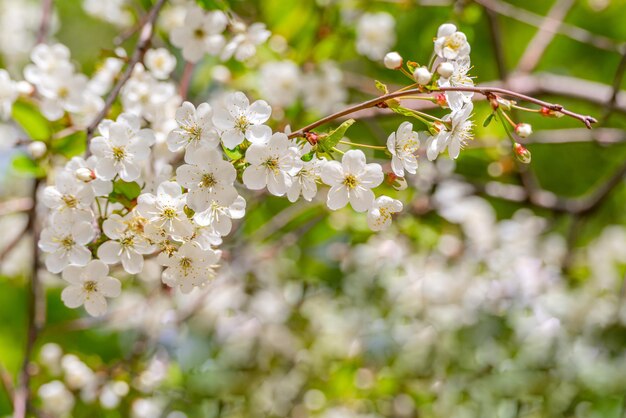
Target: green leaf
x=333, y=137
x=309, y=156
x=125, y=193
x=24, y=165
x=36, y=126
x=381, y=87
x=71, y=145
x=233, y=154
x=488, y=120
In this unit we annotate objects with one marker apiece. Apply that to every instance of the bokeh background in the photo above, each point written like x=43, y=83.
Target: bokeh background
x=499, y=292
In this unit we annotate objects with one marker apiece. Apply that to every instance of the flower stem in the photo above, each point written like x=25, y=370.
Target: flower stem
x=354, y=144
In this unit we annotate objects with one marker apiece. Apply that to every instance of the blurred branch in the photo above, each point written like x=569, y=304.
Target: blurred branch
x=533, y=19
x=547, y=30
x=496, y=42
x=16, y=205
x=185, y=80
x=140, y=50
x=6, y=380
x=46, y=16
x=617, y=82
x=36, y=315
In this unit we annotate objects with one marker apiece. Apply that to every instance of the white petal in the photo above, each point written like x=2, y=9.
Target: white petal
x=73, y=296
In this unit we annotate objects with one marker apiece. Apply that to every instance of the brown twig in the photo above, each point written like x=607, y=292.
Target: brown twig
x=485, y=91
x=140, y=50
x=496, y=42
x=36, y=316
x=185, y=80
x=44, y=25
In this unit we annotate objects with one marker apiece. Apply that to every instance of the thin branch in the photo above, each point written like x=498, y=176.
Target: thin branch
x=36, y=316
x=485, y=91
x=617, y=82
x=185, y=80
x=44, y=24
x=6, y=250
x=547, y=30
x=573, y=32
x=496, y=42
x=140, y=50
x=20, y=204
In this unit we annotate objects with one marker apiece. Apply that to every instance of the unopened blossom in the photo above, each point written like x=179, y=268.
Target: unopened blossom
x=56, y=398
x=37, y=149
x=200, y=34
x=450, y=43
x=271, y=165
x=65, y=241
x=459, y=78
x=189, y=267
x=166, y=209
x=160, y=62
x=456, y=137
x=524, y=130
x=126, y=244
x=8, y=94
x=243, y=45
x=85, y=171
x=304, y=181
x=208, y=178
x=68, y=194
x=195, y=128
x=90, y=286
x=422, y=76
x=379, y=215
x=393, y=60
x=237, y=120
x=403, y=145
x=351, y=181
x=122, y=148
x=220, y=217
x=280, y=82
x=375, y=35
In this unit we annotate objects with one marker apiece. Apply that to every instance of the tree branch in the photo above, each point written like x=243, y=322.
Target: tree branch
x=485, y=91
x=140, y=50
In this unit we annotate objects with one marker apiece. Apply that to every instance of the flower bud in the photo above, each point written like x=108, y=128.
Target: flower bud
x=422, y=76
x=85, y=174
x=441, y=100
x=522, y=153
x=504, y=104
x=37, y=149
x=524, y=130
x=393, y=60
x=549, y=113
x=445, y=69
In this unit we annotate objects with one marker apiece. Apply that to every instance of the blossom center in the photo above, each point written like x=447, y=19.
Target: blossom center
x=242, y=123
x=454, y=41
x=198, y=33
x=208, y=180
x=350, y=181
x=118, y=153
x=127, y=241
x=68, y=242
x=90, y=286
x=194, y=131
x=169, y=213
x=271, y=164
x=70, y=201
x=185, y=264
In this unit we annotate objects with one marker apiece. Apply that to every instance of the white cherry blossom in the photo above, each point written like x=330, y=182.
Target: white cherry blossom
x=280, y=82
x=351, y=181
x=90, y=286
x=459, y=78
x=379, y=215
x=272, y=165
x=160, y=62
x=68, y=194
x=304, y=182
x=450, y=43
x=8, y=94
x=220, y=217
x=78, y=166
x=65, y=241
x=200, y=34
x=375, y=35
x=459, y=134
x=243, y=45
x=208, y=177
x=195, y=128
x=237, y=120
x=122, y=147
x=189, y=267
x=166, y=209
x=126, y=245
x=403, y=145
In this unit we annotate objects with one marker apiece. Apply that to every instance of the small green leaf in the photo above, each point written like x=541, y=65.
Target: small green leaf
x=381, y=87
x=309, y=156
x=71, y=145
x=24, y=165
x=130, y=190
x=488, y=120
x=36, y=126
x=233, y=154
x=329, y=141
x=189, y=212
